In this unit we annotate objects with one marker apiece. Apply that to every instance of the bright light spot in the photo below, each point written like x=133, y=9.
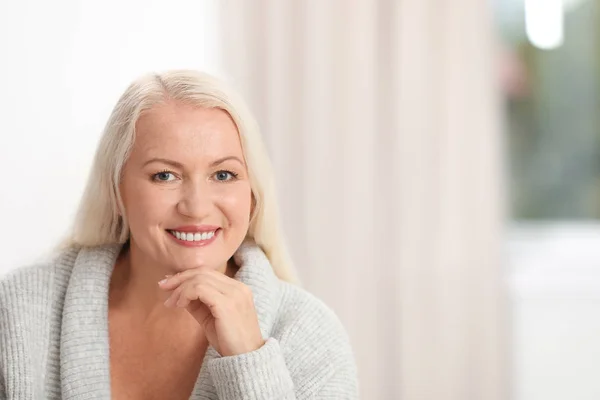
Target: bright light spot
x=544, y=23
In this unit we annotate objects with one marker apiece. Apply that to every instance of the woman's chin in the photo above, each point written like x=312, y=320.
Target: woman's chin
x=186, y=265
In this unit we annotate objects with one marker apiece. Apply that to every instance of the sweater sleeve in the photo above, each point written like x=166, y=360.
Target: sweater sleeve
x=263, y=375
x=307, y=357
x=258, y=375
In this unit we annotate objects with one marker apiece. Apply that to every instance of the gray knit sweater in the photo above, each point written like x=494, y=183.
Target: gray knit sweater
x=54, y=336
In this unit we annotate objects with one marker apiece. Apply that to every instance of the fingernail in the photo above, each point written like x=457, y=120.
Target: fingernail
x=166, y=278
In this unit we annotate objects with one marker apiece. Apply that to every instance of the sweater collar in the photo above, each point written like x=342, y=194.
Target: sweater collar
x=84, y=347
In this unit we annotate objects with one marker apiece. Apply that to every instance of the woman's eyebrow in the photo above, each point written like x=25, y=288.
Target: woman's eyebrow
x=223, y=159
x=164, y=161
x=180, y=166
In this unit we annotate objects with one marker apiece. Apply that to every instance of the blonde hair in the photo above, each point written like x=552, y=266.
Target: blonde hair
x=99, y=218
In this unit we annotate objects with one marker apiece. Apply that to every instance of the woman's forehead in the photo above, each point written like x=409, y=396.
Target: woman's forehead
x=187, y=130
x=172, y=117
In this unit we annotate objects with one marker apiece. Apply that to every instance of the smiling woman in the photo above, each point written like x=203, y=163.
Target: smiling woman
x=185, y=175
x=175, y=280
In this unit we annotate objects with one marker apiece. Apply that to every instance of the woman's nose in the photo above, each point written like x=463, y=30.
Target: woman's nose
x=195, y=201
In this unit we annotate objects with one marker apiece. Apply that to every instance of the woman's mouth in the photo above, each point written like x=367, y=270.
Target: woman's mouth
x=194, y=238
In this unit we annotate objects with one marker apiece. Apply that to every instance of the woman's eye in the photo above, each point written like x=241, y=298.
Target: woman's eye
x=164, y=176
x=224, y=176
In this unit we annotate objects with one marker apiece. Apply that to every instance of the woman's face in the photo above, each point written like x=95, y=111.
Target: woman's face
x=185, y=187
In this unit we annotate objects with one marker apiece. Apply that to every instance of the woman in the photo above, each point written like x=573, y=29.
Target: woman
x=174, y=282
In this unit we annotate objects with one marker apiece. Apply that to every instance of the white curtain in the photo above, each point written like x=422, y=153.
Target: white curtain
x=382, y=118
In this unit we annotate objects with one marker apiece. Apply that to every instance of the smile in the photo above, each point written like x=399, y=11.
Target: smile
x=193, y=237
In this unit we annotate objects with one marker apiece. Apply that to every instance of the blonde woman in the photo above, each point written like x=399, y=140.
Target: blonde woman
x=174, y=282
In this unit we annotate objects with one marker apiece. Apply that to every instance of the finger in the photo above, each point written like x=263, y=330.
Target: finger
x=187, y=286
x=219, y=281
x=210, y=298
x=197, y=291
x=200, y=312
x=171, y=282
x=191, y=289
x=234, y=290
x=173, y=297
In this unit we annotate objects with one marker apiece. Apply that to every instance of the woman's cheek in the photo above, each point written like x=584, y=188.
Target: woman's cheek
x=236, y=203
x=154, y=195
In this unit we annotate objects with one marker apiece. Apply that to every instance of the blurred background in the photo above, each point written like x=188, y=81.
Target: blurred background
x=438, y=165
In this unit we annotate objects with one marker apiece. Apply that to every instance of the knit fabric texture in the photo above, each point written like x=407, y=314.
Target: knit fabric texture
x=54, y=341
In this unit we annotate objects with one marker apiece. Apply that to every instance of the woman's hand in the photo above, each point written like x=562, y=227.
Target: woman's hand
x=222, y=305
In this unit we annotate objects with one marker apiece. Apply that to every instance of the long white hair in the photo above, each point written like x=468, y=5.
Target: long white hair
x=99, y=218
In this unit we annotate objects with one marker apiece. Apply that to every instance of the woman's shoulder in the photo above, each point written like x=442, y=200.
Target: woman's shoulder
x=314, y=342
x=304, y=318
x=35, y=283
x=298, y=305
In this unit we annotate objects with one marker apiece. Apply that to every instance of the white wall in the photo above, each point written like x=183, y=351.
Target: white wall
x=62, y=67
x=555, y=282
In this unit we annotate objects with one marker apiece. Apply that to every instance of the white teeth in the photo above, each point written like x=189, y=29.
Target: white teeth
x=193, y=237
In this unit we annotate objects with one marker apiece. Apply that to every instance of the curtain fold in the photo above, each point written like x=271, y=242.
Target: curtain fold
x=382, y=121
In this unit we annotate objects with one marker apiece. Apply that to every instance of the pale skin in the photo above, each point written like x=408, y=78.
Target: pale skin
x=168, y=302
